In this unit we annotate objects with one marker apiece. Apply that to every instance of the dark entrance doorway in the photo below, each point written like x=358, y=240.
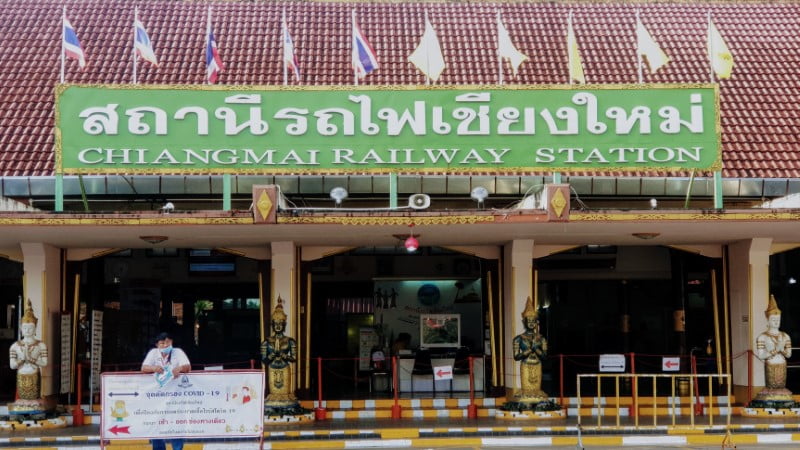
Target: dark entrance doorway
x=207, y=299
x=10, y=305
x=648, y=301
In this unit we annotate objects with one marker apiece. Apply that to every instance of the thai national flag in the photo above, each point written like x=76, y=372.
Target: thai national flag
x=213, y=60
x=71, y=45
x=289, y=56
x=364, y=59
x=142, y=44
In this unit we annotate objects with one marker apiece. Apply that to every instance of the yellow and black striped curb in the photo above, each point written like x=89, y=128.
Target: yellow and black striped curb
x=528, y=436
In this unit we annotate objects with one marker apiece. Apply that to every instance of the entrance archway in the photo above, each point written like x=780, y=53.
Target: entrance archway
x=365, y=298
x=650, y=301
x=208, y=299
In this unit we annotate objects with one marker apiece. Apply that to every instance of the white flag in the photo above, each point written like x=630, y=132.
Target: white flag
x=506, y=49
x=428, y=55
x=718, y=53
x=648, y=48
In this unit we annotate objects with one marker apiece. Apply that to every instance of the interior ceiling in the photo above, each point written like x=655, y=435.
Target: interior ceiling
x=599, y=230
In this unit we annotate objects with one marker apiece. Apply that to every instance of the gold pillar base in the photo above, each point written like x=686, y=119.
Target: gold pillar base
x=28, y=406
x=531, y=397
x=280, y=400
x=783, y=395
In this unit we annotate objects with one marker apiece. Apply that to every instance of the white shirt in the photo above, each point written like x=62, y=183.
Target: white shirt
x=176, y=358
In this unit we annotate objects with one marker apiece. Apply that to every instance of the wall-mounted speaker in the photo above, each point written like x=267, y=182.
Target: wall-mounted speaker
x=419, y=201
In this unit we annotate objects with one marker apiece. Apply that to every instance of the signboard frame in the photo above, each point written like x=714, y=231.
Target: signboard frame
x=188, y=392
x=469, y=129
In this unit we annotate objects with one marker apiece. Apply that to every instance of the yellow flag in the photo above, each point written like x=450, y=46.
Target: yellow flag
x=575, y=66
x=649, y=49
x=718, y=53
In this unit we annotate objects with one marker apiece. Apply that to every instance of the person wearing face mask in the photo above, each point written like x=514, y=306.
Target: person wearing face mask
x=159, y=360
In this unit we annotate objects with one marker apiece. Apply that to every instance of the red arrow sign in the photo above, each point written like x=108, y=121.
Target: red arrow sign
x=442, y=373
x=116, y=430
x=671, y=364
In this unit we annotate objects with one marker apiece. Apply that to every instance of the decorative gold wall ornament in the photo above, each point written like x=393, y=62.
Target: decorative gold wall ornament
x=558, y=203
x=403, y=221
x=264, y=204
x=265, y=200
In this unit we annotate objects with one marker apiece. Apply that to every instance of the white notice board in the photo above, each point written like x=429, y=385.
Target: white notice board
x=200, y=404
x=612, y=363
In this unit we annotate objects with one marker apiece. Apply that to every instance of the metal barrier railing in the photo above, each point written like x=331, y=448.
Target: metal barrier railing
x=693, y=381
x=320, y=412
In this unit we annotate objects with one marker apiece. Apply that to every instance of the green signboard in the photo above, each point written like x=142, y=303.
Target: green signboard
x=129, y=129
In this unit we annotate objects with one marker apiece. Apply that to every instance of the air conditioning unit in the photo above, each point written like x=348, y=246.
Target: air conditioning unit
x=419, y=201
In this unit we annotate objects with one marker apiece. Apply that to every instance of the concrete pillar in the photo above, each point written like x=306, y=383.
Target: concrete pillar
x=42, y=267
x=284, y=270
x=749, y=294
x=517, y=286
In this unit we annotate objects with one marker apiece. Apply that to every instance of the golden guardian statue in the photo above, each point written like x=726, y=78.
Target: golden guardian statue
x=278, y=352
x=530, y=349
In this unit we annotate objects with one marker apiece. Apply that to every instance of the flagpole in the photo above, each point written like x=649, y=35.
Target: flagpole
x=353, y=47
x=718, y=202
x=63, y=19
x=135, y=18
x=710, y=50
x=499, y=58
x=638, y=50
x=285, y=27
x=427, y=54
x=208, y=37
x=569, y=50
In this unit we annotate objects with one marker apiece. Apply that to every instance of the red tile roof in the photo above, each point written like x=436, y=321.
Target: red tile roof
x=760, y=103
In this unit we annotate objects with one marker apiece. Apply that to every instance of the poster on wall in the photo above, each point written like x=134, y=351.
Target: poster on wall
x=66, y=353
x=440, y=330
x=195, y=405
x=97, y=349
x=399, y=304
x=367, y=340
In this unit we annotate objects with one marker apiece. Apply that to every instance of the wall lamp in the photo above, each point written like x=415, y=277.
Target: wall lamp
x=153, y=239
x=479, y=194
x=338, y=194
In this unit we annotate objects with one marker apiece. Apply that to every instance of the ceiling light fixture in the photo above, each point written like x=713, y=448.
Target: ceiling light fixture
x=153, y=239
x=411, y=244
